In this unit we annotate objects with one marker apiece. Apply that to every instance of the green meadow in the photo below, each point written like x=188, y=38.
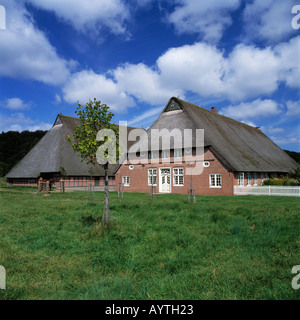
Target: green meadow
x=55, y=247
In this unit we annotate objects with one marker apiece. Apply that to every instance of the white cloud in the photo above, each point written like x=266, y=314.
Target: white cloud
x=89, y=15
x=85, y=85
x=287, y=141
x=249, y=123
x=293, y=108
x=26, y=52
x=207, y=18
x=247, y=70
x=144, y=83
x=268, y=19
x=19, y=122
x=145, y=116
x=253, y=110
x=275, y=130
x=199, y=68
x=16, y=104
x=288, y=53
x=57, y=99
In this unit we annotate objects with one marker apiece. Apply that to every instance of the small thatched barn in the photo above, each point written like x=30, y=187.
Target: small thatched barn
x=53, y=158
x=234, y=154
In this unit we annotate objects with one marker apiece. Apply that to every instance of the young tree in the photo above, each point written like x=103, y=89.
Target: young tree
x=93, y=117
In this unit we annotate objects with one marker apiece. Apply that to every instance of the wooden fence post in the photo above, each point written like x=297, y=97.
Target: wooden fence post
x=40, y=185
x=153, y=192
x=191, y=195
x=62, y=185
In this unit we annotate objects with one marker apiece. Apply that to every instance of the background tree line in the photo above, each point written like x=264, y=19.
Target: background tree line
x=15, y=145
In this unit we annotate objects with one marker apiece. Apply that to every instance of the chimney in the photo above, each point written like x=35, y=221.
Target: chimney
x=213, y=109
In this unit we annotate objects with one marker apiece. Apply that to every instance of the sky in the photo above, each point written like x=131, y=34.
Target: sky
x=241, y=56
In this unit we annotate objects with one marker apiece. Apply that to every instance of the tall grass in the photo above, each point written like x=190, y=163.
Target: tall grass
x=54, y=247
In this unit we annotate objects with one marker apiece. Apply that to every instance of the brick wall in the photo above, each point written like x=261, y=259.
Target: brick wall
x=32, y=182
x=75, y=181
x=201, y=183
x=79, y=181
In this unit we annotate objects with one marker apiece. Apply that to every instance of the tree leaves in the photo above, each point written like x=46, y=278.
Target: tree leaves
x=94, y=116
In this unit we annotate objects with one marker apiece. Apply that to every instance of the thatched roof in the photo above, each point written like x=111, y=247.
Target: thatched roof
x=239, y=146
x=53, y=151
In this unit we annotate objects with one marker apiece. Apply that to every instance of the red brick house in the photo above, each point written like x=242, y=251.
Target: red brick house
x=234, y=154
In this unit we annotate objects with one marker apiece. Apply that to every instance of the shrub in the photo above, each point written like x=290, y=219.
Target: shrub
x=282, y=181
x=295, y=174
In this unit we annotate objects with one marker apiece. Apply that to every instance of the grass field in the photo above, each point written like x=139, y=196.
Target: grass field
x=53, y=247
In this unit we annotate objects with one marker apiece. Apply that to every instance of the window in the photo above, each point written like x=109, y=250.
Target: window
x=178, y=179
x=165, y=154
x=58, y=121
x=152, y=177
x=177, y=153
x=153, y=155
x=241, y=178
x=206, y=164
x=248, y=179
x=267, y=176
x=262, y=178
x=215, y=180
x=126, y=181
x=255, y=179
x=172, y=106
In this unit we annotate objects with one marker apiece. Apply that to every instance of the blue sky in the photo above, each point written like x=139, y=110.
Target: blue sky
x=242, y=56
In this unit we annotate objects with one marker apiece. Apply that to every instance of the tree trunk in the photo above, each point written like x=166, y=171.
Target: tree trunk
x=106, y=196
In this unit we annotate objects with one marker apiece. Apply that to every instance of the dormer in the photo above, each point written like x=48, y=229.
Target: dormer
x=172, y=106
x=57, y=121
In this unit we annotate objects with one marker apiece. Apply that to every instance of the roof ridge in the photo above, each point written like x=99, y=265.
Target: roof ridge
x=64, y=115
x=164, y=108
x=218, y=114
x=76, y=118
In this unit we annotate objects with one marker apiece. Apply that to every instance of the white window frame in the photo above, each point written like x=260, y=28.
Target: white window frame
x=213, y=180
x=249, y=178
x=165, y=154
x=262, y=177
x=153, y=155
x=126, y=181
x=177, y=153
x=206, y=164
x=177, y=174
x=266, y=176
x=241, y=179
x=152, y=176
x=255, y=179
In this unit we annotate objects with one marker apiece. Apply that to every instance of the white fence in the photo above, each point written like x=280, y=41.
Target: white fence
x=268, y=190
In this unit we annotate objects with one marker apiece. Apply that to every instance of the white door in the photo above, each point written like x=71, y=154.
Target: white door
x=165, y=180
